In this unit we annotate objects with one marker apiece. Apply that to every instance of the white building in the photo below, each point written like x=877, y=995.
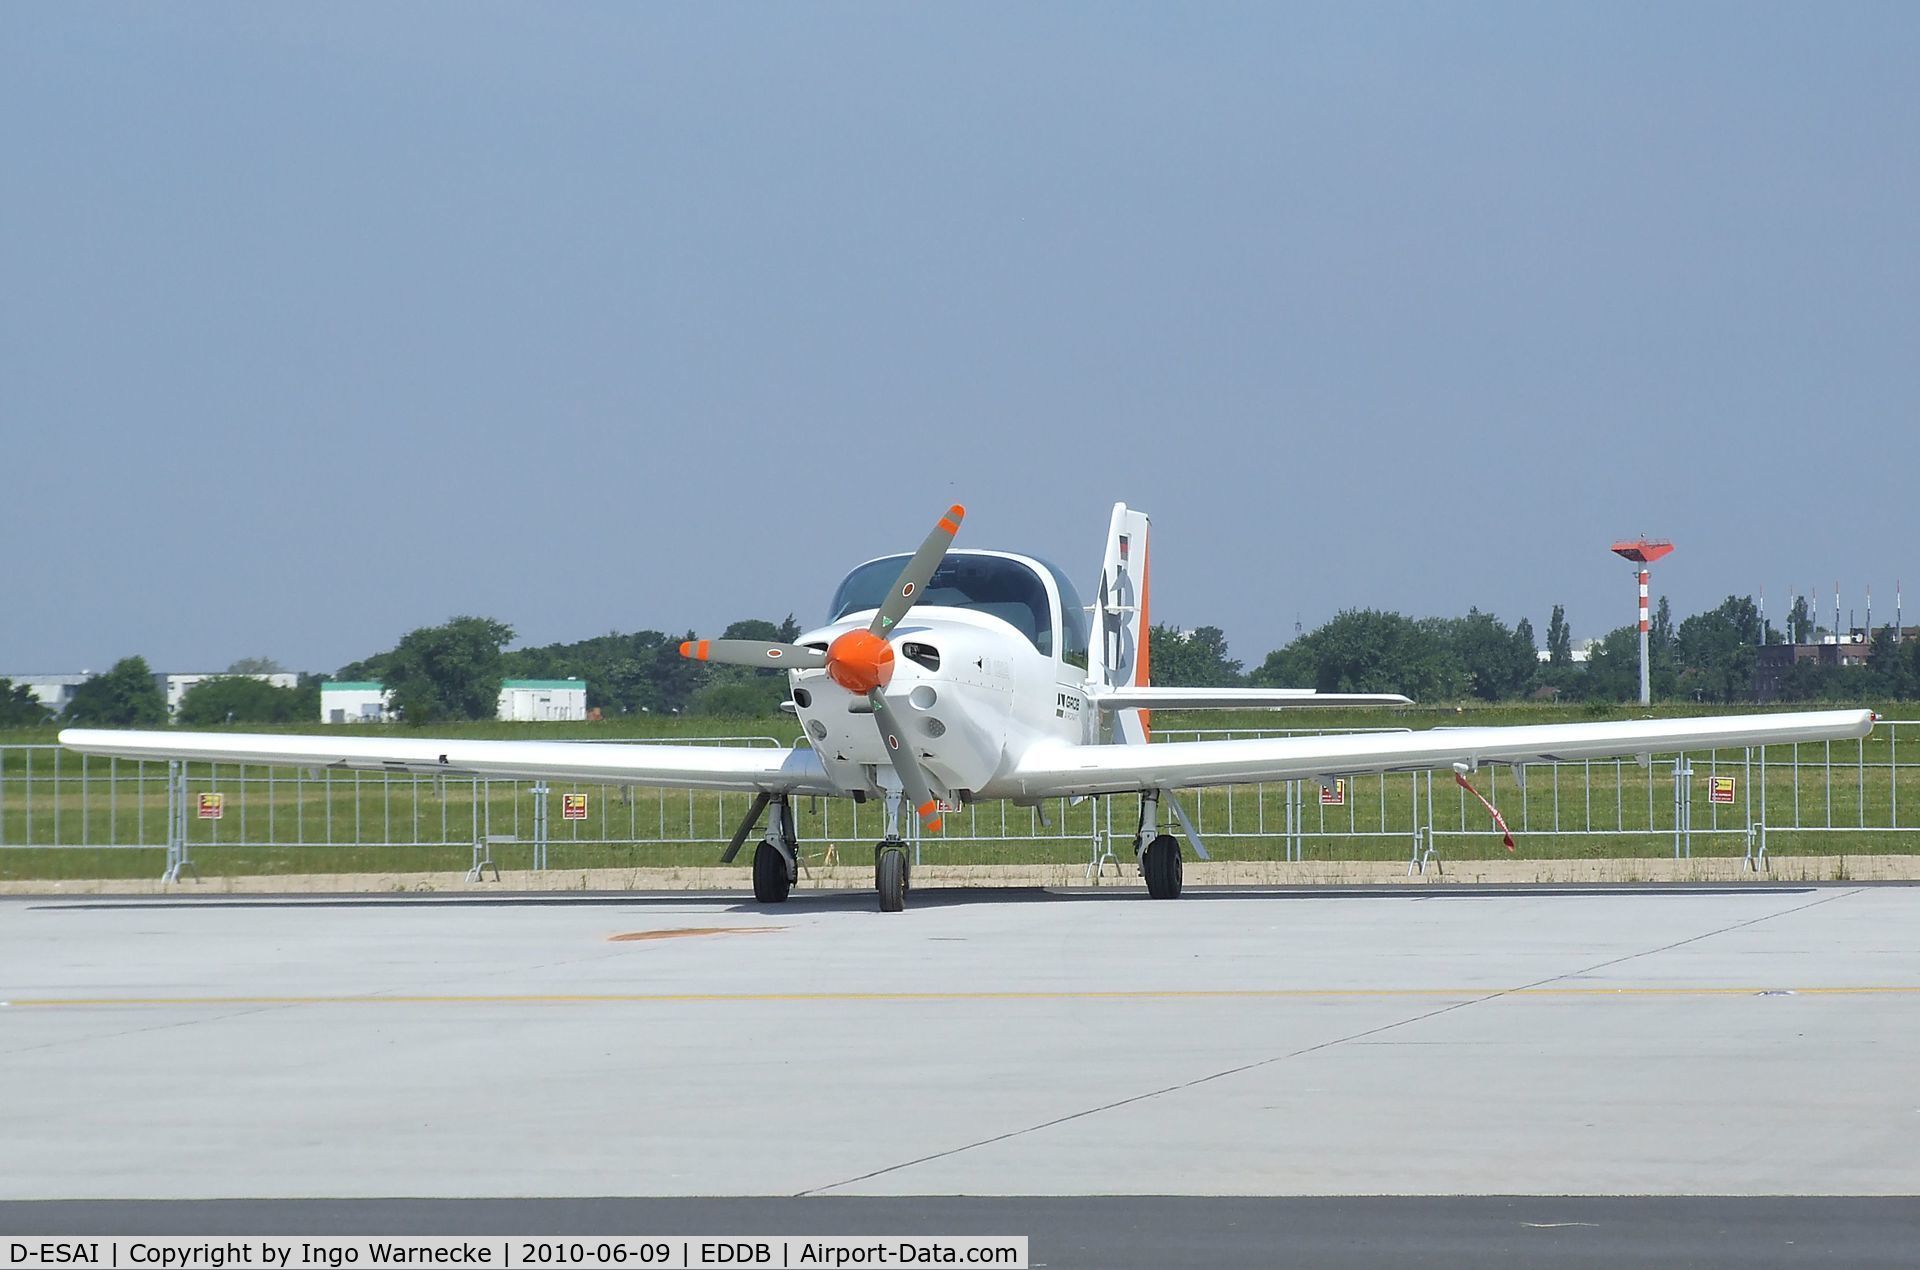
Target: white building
x=543, y=700
x=177, y=686
x=351, y=701
x=52, y=691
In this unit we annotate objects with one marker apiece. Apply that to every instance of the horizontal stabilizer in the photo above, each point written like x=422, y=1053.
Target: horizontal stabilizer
x=1238, y=699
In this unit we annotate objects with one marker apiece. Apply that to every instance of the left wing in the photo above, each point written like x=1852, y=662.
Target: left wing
x=1130, y=698
x=1052, y=768
x=733, y=767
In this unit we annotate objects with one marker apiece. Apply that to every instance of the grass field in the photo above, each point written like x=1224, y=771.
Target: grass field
x=65, y=817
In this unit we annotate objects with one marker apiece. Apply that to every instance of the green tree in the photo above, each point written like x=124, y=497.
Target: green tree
x=752, y=628
x=1613, y=667
x=1715, y=651
x=19, y=708
x=126, y=696
x=749, y=694
x=1499, y=663
x=1366, y=650
x=256, y=666
x=1559, y=639
x=1660, y=631
x=450, y=671
x=1191, y=659
x=1799, y=621
x=238, y=699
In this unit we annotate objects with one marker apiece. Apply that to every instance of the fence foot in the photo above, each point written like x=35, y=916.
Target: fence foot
x=1097, y=866
x=1422, y=858
x=483, y=857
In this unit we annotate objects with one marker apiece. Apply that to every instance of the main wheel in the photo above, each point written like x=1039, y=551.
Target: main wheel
x=1163, y=867
x=770, y=881
x=890, y=879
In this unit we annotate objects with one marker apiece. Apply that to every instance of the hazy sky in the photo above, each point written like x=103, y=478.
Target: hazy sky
x=318, y=323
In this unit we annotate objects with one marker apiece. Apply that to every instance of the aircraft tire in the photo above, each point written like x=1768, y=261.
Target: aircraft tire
x=770, y=881
x=1163, y=867
x=890, y=879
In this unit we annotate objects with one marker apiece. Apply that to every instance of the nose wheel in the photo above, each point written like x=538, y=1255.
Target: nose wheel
x=890, y=876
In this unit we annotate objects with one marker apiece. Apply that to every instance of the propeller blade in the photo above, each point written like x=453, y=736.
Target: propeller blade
x=913, y=579
x=913, y=778
x=753, y=652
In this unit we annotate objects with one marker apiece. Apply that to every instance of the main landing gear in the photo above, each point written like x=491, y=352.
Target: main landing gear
x=776, y=861
x=1158, y=853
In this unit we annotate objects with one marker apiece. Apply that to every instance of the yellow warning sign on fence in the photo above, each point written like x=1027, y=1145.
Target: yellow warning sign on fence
x=1720, y=790
x=573, y=806
x=1334, y=795
x=212, y=806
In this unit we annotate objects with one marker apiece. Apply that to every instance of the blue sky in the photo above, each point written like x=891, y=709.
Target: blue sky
x=320, y=323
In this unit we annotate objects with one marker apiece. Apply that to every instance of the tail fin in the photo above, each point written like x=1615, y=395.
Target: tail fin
x=1119, y=657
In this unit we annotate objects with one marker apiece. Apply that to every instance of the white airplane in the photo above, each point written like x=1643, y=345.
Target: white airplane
x=954, y=676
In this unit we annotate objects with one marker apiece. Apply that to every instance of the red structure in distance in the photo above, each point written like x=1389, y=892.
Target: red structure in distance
x=1643, y=550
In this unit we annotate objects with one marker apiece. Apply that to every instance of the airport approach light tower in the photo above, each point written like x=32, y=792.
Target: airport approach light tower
x=1643, y=552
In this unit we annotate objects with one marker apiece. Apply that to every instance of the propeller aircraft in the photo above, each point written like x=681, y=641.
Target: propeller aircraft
x=954, y=676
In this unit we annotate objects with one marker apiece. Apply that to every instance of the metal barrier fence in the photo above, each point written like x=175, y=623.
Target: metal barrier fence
x=69, y=815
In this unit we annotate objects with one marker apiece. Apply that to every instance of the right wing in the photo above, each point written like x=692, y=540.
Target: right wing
x=1060, y=768
x=733, y=767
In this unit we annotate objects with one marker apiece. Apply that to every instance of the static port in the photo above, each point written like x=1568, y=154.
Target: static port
x=923, y=697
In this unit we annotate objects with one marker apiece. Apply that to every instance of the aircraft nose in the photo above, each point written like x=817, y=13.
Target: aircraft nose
x=860, y=661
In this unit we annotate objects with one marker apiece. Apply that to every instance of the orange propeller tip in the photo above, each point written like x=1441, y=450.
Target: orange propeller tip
x=686, y=648
x=956, y=511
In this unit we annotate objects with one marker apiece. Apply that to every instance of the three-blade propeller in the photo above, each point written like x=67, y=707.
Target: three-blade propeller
x=861, y=661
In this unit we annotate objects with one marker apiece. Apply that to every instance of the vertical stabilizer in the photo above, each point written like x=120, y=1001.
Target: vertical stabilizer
x=1119, y=656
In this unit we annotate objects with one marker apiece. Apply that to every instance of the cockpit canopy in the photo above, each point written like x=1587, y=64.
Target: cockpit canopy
x=1007, y=587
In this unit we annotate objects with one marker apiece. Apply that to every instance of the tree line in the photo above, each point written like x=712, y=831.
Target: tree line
x=453, y=671
x=1709, y=657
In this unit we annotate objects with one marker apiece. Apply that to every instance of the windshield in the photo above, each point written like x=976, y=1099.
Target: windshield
x=1007, y=589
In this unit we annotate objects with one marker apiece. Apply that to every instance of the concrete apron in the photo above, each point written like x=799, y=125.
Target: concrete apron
x=843, y=876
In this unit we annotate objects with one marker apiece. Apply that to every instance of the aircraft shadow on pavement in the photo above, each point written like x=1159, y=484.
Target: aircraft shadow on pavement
x=863, y=900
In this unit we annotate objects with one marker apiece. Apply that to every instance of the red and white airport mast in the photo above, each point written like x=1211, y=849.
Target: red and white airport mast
x=1643, y=552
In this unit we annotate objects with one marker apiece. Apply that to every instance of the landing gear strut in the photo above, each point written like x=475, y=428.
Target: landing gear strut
x=1158, y=853
x=890, y=871
x=776, y=859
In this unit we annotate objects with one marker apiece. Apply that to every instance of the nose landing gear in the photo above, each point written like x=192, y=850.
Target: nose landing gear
x=890, y=876
x=890, y=871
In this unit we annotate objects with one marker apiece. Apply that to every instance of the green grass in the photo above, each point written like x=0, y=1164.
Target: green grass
x=65, y=817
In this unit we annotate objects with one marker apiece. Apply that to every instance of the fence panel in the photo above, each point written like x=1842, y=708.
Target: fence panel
x=65, y=815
